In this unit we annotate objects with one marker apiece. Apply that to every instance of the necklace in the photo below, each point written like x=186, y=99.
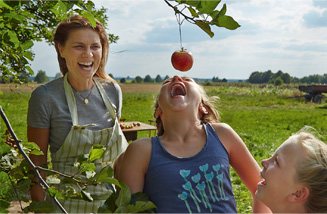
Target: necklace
x=86, y=99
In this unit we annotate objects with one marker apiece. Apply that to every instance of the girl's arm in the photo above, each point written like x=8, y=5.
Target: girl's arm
x=41, y=138
x=242, y=162
x=134, y=164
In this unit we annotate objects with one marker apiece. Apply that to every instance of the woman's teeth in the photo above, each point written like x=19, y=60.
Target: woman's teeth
x=85, y=63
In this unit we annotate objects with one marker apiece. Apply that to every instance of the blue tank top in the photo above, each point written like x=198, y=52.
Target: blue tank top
x=200, y=183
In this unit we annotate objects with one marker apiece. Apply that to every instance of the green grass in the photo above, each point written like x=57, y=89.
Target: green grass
x=264, y=117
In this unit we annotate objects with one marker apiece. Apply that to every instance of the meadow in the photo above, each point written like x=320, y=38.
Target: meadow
x=263, y=115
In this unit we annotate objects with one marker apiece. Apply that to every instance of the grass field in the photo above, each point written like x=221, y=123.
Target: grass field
x=264, y=116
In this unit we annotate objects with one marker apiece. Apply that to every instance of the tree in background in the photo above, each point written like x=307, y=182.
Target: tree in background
x=278, y=81
x=148, y=79
x=138, y=79
x=22, y=23
x=41, y=77
x=158, y=78
x=58, y=75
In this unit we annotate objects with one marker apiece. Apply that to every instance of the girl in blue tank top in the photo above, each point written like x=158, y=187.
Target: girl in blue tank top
x=185, y=169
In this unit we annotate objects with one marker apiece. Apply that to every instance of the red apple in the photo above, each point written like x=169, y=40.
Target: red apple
x=182, y=60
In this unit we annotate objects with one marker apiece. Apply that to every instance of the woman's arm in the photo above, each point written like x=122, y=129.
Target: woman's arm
x=134, y=164
x=41, y=138
x=242, y=162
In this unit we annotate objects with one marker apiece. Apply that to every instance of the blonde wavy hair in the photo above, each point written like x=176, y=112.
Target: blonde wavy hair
x=212, y=116
x=312, y=171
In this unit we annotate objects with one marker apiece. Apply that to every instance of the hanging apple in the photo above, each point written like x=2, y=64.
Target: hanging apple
x=182, y=60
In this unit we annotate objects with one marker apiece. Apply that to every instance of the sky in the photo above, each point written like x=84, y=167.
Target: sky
x=286, y=35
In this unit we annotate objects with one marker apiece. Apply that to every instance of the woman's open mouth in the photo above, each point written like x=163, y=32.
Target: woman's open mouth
x=85, y=65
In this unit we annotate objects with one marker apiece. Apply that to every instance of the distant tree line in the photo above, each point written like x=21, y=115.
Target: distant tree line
x=256, y=77
x=281, y=77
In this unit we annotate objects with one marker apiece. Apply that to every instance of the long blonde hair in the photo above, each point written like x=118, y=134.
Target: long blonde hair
x=212, y=116
x=312, y=171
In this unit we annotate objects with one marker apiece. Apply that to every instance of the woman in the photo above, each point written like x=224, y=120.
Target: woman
x=185, y=169
x=73, y=113
x=295, y=177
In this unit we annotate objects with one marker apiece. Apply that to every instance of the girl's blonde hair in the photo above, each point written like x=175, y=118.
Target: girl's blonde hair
x=75, y=22
x=312, y=171
x=208, y=102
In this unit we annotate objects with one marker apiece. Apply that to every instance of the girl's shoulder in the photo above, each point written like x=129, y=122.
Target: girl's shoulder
x=142, y=144
x=227, y=135
x=221, y=127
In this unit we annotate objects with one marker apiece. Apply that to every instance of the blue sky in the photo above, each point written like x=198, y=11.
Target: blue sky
x=286, y=35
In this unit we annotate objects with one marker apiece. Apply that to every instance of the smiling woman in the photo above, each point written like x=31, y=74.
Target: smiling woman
x=59, y=111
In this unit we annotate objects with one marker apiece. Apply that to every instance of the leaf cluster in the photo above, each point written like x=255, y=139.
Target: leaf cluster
x=204, y=14
x=16, y=175
x=22, y=23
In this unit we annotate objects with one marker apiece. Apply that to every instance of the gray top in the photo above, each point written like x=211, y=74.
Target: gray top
x=48, y=108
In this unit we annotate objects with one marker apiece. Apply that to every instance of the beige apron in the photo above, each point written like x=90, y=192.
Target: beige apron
x=79, y=141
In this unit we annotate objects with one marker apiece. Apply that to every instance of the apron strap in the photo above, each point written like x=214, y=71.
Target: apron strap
x=106, y=100
x=71, y=101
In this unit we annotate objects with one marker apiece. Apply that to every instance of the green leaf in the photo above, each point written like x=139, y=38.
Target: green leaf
x=30, y=70
x=205, y=27
x=227, y=22
x=104, y=174
x=124, y=196
x=88, y=167
x=86, y=196
x=140, y=206
x=90, y=17
x=194, y=3
x=27, y=45
x=13, y=37
x=39, y=207
x=28, y=55
x=3, y=205
x=193, y=12
x=109, y=205
x=223, y=11
x=4, y=149
x=4, y=5
x=208, y=6
x=96, y=152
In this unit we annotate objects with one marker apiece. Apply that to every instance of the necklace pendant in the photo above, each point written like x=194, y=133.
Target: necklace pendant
x=86, y=101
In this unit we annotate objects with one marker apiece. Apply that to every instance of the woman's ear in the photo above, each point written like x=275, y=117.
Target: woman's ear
x=203, y=109
x=60, y=48
x=157, y=112
x=300, y=195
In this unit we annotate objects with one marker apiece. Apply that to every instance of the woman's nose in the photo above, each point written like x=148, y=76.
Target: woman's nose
x=88, y=52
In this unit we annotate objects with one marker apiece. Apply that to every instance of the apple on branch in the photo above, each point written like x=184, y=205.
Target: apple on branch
x=182, y=60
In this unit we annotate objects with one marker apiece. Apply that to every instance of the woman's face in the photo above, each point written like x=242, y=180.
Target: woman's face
x=279, y=175
x=82, y=52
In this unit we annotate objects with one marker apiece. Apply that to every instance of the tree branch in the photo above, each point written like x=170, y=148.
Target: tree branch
x=36, y=170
